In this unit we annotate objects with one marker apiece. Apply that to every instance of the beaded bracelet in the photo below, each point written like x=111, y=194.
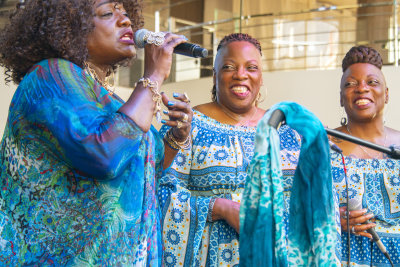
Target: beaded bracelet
x=147, y=83
x=210, y=209
x=175, y=144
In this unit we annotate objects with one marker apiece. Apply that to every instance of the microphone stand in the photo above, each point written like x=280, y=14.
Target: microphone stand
x=392, y=152
x=278, y=117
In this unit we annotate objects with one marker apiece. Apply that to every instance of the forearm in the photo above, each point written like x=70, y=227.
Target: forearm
x=142, y=103
x=227, y=210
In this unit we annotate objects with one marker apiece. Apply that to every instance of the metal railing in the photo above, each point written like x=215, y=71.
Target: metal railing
x=305, y=39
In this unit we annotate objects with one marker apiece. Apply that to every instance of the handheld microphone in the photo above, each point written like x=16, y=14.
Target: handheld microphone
x=186, y=49
x=356, y=205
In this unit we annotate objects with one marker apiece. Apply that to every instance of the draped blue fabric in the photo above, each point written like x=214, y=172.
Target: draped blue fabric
x=312, y=233
x=77, y=177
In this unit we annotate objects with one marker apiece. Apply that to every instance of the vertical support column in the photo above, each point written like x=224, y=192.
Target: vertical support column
x=157, y=21
x=395, y=33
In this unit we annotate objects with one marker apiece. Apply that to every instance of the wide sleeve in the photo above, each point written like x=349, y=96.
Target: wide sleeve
x=79, y=121
x=184, y=213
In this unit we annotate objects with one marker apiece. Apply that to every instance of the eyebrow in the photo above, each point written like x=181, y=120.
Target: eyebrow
x=104, y=3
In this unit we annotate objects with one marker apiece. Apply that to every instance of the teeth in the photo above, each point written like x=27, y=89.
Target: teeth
x=363, y=101
x=125, y=38
x=239, y=89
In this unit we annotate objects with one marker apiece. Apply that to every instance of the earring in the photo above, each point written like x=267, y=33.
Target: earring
x=259, y=98
x=343, y=121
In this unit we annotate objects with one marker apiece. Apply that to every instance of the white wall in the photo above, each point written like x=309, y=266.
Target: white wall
x=317, y=90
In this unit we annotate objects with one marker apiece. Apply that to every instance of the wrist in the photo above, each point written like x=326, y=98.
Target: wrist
x=154, y=77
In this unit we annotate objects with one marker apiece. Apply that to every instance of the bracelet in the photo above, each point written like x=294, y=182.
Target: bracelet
x=147, y=83
x=175, y=144
x=210, y=209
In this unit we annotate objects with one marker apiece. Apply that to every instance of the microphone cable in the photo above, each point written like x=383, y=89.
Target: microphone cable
x=338, y=150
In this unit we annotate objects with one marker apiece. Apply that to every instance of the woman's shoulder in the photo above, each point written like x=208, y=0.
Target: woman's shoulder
x=52, y=67
x=206, y=109
x=393, y=137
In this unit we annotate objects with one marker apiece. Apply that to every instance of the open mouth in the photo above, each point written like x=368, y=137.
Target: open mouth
x=362, y=101
x=239, y=89
x=127, y=37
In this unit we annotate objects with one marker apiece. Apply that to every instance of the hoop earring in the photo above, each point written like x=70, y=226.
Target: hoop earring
x=343, y=121
x=259, y=99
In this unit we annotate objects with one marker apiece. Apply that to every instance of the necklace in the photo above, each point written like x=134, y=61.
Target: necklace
x=362, y=148
x=106, y=84
x=240, y=123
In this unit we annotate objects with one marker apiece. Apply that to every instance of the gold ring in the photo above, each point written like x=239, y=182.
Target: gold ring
x=187, y=100
x=185, y=117
x=179, y=124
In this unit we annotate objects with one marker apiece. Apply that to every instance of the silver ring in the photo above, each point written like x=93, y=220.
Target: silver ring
x=185, y=117
x=352, y=230
x=179, y=124
x=156, y=38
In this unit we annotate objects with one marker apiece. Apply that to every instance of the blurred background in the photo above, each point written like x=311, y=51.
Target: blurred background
x=303, y=43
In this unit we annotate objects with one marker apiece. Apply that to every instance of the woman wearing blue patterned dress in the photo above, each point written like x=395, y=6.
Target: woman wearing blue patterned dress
x=200, y=193
x=373, y=178
x=78, y=165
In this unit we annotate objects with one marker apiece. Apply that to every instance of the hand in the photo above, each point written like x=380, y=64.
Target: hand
x=180, y=115
x=228, y=210
x=158, y=59
x=357, y=218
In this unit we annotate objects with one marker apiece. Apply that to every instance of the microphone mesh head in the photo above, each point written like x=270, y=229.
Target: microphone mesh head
x=355, y=204
x=139, y=37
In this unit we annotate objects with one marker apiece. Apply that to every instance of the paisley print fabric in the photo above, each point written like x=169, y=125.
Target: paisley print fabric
x=77, y=176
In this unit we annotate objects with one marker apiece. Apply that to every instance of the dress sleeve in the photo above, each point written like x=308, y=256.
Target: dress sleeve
x=79, y=120
x=184, y=214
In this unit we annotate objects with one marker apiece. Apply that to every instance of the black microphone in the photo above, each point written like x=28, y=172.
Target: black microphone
x=356, y=205
x=186, y=49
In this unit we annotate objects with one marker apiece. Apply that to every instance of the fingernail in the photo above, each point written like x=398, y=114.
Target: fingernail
x=165, y=112
x=175, y=94
x=370, y=215
x=162, y=93
x=364, y=210
x=170, y=103
x=163, y=121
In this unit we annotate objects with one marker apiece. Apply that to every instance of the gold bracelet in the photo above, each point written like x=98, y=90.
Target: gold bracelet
x=175, y=144
x=147, y=83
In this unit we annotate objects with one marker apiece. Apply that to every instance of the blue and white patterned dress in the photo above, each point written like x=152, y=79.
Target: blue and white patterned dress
x=215, y=167
x=376, y=184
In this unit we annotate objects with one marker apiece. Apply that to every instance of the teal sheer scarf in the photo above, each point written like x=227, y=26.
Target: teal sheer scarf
x=311, y=239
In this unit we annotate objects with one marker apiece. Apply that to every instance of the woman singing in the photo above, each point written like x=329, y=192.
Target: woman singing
x=78, y=164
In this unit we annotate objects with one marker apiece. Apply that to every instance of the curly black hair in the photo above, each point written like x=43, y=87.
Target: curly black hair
x=362, y=54
x=234, y=37
x=41, y=29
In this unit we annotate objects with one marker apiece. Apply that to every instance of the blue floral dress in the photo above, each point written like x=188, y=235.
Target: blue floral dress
x=216, y=166
x=376, y=184
x=77, y=178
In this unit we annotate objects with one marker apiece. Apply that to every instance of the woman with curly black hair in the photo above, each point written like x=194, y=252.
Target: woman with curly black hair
x=78, y=165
